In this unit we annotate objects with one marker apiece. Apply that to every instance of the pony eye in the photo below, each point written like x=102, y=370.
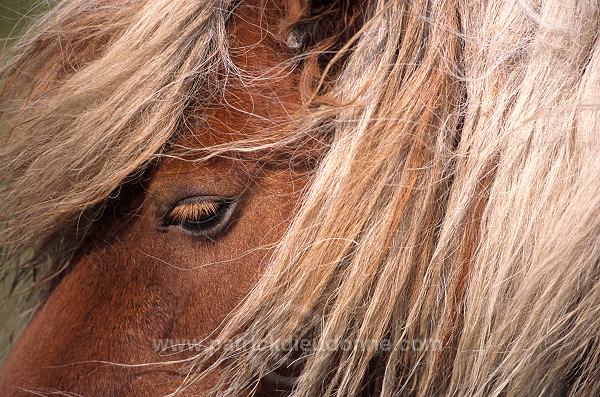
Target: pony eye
x=201, y=215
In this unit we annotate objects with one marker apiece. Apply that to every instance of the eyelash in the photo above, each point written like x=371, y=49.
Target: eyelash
x=201, y=216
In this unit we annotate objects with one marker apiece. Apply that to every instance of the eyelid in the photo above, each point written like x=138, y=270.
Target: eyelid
x=183, y=211
x=197, y=206
x=198, y=201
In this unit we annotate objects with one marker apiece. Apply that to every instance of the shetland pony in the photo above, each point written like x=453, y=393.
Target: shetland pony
x=305, y=198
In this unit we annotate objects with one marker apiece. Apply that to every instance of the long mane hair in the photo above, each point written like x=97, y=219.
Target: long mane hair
x=457, y=202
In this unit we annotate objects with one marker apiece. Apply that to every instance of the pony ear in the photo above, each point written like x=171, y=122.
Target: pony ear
x=324, y=23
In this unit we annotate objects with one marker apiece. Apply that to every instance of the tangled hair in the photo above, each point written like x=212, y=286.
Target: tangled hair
x=458, y=201
x=84, y=119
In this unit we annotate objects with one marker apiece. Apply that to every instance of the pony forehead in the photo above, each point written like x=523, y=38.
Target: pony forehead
x=261, y=106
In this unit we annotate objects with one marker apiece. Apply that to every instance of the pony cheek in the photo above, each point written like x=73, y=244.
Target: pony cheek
x=117, y=338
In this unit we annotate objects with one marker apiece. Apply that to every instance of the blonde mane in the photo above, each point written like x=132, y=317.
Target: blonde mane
x=83, y=118
x=457, y=204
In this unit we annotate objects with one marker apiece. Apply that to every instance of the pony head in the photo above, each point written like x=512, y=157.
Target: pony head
x=306, y=198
